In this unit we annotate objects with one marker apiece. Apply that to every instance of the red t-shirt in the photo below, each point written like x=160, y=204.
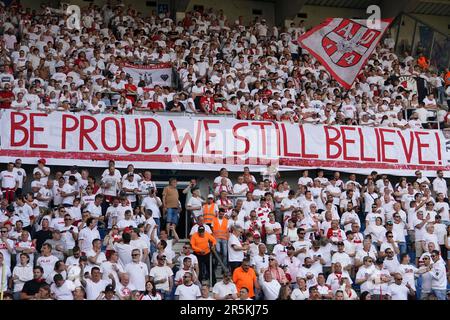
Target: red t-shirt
x=267, y=116
x=242, y=115
x=222, y=109
x=155, y=105
x=133, y=88
x=207, y=103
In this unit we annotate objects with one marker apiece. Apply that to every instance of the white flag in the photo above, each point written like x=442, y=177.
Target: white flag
x=343, y=46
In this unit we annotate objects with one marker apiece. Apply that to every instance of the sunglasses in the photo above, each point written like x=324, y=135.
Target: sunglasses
x=4, y=231
x=135, y=254
x=426, y=258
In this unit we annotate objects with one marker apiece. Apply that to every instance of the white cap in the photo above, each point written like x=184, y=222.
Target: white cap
x=210, y=196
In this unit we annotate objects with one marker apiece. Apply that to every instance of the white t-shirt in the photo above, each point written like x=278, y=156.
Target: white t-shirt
x=106, y=267
x=305, y=181
x=152, y=204
x=113, y=182
x=124, y=252
x=137, y=272
x=159, y=273
x=63, y=292
x=68, y=188
x=47, y=263
x=93, y=289
x=87, y=235
x=95, y=211
x=9, y=179
x=272, y=238
x=130, y=185
x=44, y=178
x=223, y=290
x=21, y=174
x=398, y=292
x=234, y=255
x=67, y=236
x=240, y=189
x=100, y=258
x=271, y=289
x=196, y=202
x=24, y=213
x=297, y=294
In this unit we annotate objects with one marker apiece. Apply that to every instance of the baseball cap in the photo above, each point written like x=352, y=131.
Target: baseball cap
x=201, y=229
x=43, y=161
x=210, y=196
x=109, y=288
x=256, y=235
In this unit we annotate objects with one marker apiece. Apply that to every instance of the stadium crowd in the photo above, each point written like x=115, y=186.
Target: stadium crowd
x=79, y=236
x=75, y=236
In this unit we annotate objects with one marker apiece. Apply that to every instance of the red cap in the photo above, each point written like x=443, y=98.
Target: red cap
x=7, y=222
x=43, y=161
x=256, y=235
x=127, y=230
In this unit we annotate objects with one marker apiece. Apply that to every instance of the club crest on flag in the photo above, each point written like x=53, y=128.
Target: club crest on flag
x=348, y=42
x=343, y=46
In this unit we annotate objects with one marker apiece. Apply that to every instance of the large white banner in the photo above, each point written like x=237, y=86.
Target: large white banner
x=205, y=143
x=343, y=45
x=151, y=75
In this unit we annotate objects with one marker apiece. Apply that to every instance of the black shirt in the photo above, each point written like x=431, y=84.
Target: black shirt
x=32, y=287
x=172, y=105
x=41, y=236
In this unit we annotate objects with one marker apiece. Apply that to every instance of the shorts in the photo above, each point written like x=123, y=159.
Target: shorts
x=172, y=215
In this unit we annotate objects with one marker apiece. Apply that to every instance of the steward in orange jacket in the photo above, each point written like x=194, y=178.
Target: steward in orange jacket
x=200, y=242
x=220, y=226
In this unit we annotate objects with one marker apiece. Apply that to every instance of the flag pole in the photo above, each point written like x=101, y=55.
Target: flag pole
x=1, y=285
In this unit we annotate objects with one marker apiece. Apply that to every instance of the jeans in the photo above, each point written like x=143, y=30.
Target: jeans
x=441, y=94
x=172, y=216
x=441, y=294
x=165, y=295
x=222, y=250
x=158, y=223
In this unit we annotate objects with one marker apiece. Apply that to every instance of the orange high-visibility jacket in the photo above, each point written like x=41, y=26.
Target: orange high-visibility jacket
x=220, y=230
x=209, y=212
